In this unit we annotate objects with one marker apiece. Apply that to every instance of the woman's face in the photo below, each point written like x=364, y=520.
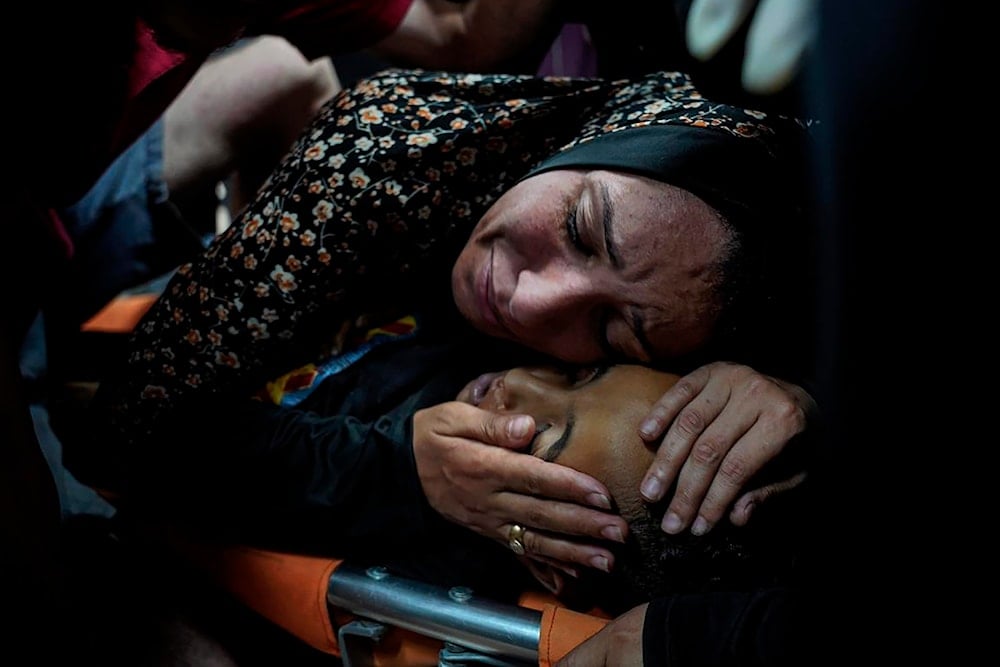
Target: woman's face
x=591, y=265
x=587, y=419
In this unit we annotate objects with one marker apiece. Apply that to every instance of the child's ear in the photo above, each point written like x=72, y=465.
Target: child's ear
x=554, y=578
x=546, y=575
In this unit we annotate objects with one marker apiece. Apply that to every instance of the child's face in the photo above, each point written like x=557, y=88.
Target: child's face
x=587, y=419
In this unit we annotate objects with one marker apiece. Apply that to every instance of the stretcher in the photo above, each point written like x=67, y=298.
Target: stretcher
x=368, y=615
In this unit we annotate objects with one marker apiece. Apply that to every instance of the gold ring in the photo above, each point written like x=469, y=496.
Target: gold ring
x=515, y=539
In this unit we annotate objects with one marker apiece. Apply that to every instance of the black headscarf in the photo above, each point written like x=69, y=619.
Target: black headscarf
x=748, y=165
x=744, y=163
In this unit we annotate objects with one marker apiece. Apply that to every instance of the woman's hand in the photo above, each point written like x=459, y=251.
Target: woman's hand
x=726, y=421
x=619, y=643
x=472, y=476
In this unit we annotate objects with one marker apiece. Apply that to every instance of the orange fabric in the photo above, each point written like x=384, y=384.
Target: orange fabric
x=121, y=314
x=562, y=631
x=287, y=589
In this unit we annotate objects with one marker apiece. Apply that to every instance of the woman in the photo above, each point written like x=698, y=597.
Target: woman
x=372, y=207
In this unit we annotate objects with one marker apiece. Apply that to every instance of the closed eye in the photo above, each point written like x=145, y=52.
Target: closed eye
x=573, y=232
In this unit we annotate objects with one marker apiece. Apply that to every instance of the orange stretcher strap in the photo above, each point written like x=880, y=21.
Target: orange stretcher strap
x=121, y=314
x=287, y=589
x=563, y=630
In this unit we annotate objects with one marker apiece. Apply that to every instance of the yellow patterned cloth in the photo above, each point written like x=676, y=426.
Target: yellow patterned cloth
x=295, y=385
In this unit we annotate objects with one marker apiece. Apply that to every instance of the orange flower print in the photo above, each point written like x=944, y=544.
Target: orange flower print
x=284, y=280
x=371, y=115
x=421, y=139
x=251, y=226
x=227, y=359
x=257, y=329
x=359, y=178
x=154, y=392
x=288, y=222
x=193, y=336
x=323, y=210
x=467, y=156
x=315, y=152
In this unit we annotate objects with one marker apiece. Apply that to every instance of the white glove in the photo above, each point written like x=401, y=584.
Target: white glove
x=780, y=32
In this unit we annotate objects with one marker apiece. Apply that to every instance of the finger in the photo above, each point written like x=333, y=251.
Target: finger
x=711, y=23
x=567, y=568
x=764, y=440
x=689, y=425
x=534, y=477
x=750, y=501
x=710, y=489
x=779, y=35
x=538, y=544
x=569, y=519
x=675, y=398
x=461, y=420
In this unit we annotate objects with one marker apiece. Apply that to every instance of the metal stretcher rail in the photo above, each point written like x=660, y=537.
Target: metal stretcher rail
x=454, y=615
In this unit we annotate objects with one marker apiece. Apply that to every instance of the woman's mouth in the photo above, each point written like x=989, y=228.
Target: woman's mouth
x=488, y=298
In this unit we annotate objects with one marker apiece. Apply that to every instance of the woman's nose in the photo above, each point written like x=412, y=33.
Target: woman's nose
x=556, y=299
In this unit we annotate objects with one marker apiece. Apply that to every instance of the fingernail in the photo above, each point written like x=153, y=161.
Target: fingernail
x=651, y=488
x=601, y=563
x=700, y=527
x=672, y=524
x=613, y=533
x=648, y=428
x=599, y=500
x=519, y=427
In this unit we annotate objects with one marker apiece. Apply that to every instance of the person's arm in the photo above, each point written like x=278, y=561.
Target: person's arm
x=753, y=628
x=720, y=425
x=280, y=475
